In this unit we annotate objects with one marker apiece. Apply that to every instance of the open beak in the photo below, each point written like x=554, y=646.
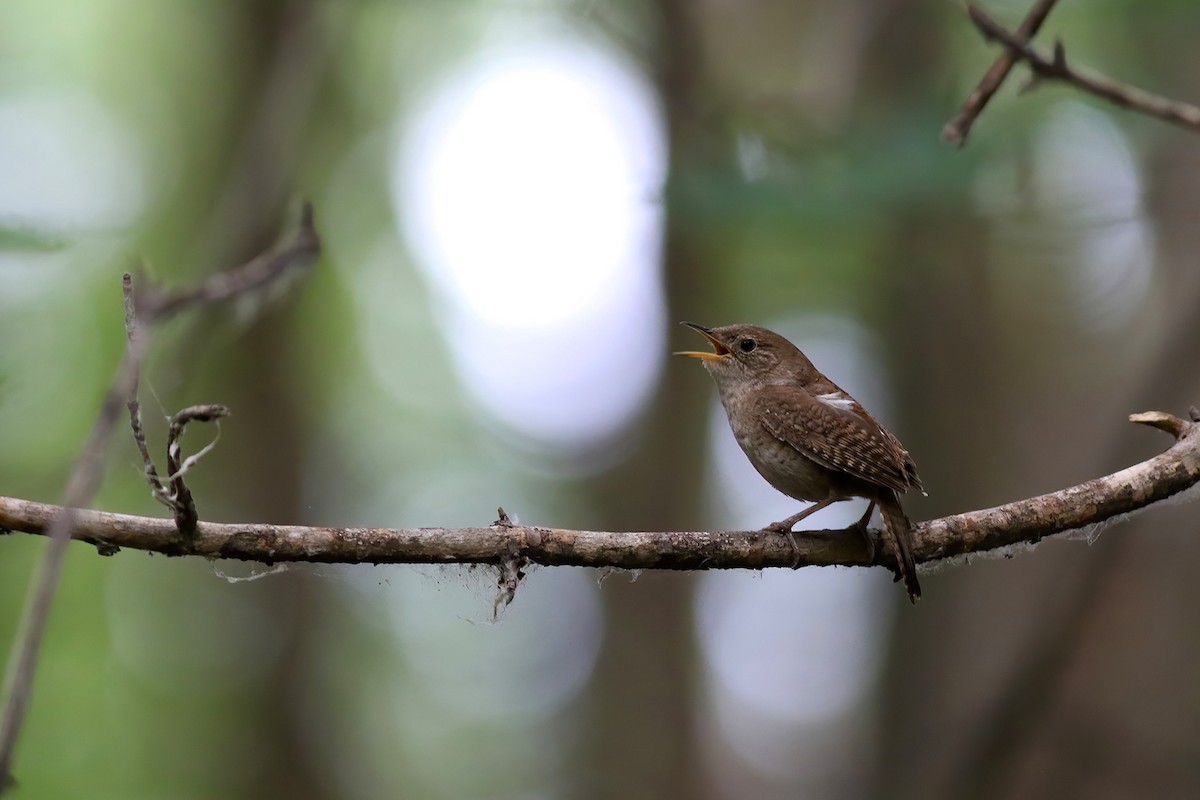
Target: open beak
x=721, y=350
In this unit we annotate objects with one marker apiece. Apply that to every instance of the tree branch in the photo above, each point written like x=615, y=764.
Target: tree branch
x=143, y=309
x=82, y=485
x=1056, y=68
x=291, y=256
x=989, y=531
x=955, y=131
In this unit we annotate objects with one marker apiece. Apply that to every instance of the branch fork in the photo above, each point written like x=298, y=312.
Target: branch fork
x=1054, y=67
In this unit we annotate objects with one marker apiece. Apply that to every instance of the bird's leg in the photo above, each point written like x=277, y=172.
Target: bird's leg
x=862, y=527
x=785, y=526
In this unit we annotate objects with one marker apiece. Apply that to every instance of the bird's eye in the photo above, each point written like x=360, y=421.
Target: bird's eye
x=747, y=345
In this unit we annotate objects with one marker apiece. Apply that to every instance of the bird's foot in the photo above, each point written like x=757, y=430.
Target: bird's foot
x=784, y=527
x=861, y=527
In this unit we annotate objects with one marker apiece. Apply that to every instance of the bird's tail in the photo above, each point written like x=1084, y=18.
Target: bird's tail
x=898, y=532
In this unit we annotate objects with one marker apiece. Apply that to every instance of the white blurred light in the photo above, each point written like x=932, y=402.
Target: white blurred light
x=530, y=664
x=1085, y=172
x=802, y=648
x=528, y=191
x=66, y=162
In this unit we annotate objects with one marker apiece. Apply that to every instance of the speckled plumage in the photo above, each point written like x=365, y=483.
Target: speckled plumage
x=805, y=436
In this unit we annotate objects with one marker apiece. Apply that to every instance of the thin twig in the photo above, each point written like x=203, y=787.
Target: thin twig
x=180, y=499
x=955, y=131
x=1024, y=522
x=133, y=331
x=60, y=527
x=297, y=251
x=141, y=312
x=1056, y=68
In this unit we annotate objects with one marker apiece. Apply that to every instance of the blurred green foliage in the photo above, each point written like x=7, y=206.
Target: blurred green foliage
x=159, y=678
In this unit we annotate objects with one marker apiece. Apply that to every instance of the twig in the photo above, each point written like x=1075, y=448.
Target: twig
x=179, y=498
x=1025, y=522
x=133, y=331
x=1056, y=68
x=297, y=251
x=955, y=131
x=60, y=524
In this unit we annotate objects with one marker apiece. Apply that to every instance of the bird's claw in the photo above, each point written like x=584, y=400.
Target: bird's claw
x=786, y=530
x=861, y=527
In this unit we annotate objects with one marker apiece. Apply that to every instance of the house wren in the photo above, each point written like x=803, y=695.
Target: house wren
x=808, y=438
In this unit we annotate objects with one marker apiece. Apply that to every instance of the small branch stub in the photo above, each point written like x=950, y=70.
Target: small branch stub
x=1164, y=422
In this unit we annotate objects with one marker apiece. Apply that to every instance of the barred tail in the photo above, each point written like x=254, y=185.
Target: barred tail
x=898, y=532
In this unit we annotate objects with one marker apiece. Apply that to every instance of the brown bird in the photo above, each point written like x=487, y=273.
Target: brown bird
x=808, y=438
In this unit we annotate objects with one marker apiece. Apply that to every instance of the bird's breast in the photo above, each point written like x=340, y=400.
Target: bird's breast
x=785, y=467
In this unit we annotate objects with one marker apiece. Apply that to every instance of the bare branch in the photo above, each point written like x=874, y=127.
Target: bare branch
x=133, y=332
x=298, y=250
x=955, y=131
x=82, y=485
x=1165, y=476
x=1056, y=68
x=87, y=472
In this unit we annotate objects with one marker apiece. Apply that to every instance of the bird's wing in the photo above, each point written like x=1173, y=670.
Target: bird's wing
x=910, y=466
x=835, y=436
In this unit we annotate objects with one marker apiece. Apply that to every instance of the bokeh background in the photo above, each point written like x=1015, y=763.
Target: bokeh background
x=518, y=201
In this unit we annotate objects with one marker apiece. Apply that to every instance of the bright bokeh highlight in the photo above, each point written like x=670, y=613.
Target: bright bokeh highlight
x=527, y=189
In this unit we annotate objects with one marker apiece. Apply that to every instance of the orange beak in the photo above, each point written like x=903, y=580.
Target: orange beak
x=721, y=350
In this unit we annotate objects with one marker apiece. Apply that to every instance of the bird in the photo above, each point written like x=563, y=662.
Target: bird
x=808, y=437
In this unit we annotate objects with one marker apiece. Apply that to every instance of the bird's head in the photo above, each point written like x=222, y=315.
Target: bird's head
x=745, y=354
